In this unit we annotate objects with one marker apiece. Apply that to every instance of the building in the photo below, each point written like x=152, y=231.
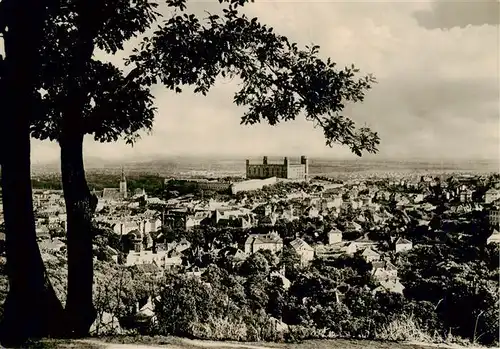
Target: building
x=303, y=249
x=115, y=194
x=494, y=217
x=494, y=238
x=370, y=255
x=334, y=236
x=199, y=184
x=284, y=170
x=252, y=184
x=403, y=245
x=394, y=286
x=491, y=195
x=255, y=242
x=384, y=271
x=123, y=185
x=465, y=195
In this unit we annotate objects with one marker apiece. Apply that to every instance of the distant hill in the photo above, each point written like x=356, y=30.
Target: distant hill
x=168, y=166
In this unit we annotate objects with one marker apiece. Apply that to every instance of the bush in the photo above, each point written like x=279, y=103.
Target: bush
x=405, y=328
x=221, y=328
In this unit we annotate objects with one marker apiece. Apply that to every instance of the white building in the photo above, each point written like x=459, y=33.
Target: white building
x=494, y=238
x=303, y=249
x=252, y=184
x=491, y=195
x=255, y=242
x=370, y=255
x=334, y=236
x=403, y=245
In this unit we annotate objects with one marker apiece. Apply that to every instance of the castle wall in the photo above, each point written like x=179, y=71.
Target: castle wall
x=262, y=171
x=296, y=172
x=283, y=171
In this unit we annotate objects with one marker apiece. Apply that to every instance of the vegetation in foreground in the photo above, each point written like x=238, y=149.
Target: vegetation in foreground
x=186, y=344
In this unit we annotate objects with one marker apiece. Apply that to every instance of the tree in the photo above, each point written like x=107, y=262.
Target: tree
x=255, y=265
x=71, y=82
x=31, y=307
x=84, y=96
x=289, y=259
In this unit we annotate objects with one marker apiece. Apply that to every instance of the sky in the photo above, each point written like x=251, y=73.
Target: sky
x=437, y=97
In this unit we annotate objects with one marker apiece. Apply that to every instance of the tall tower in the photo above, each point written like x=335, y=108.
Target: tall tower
x=264, y=160
x=123, y=185
x=304, y=161
x=247, y=169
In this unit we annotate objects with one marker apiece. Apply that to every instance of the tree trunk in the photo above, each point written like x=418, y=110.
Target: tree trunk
x=80, y=206
x=32, y=308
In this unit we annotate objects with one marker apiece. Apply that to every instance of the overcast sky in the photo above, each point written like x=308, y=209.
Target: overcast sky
x=437, y=63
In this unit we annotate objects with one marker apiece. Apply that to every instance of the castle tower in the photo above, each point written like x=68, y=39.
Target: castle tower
x=285, y=168
x=304, y=161
x=123, y=185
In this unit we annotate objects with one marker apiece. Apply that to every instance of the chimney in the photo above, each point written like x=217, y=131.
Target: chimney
x=285, y=161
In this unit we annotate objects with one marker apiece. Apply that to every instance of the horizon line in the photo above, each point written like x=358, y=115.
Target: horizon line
x=140, y=159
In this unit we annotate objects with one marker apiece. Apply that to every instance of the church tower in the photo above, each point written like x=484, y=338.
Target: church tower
x=123, y=185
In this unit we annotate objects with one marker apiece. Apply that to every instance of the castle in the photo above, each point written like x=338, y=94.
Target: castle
x=284, y=170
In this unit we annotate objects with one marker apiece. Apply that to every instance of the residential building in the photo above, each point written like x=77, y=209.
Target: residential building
x=334, y=236
x=465, y=195
x=370, y=255
x=494, y=217
x=384, y=271
x=491, y=195
x=494, y=238
x=394, y=286
x=403, y=245
x=255, y=242
x=303, y=249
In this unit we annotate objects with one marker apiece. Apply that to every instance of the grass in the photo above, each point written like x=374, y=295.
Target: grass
x=308, y=344
x=59, y=344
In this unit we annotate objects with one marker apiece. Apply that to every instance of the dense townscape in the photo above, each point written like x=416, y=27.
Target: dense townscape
x=387, y=257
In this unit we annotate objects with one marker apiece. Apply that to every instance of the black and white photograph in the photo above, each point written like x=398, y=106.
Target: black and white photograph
x=250, y=174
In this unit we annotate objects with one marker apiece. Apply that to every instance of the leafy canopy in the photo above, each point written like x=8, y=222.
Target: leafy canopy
x=278, y=81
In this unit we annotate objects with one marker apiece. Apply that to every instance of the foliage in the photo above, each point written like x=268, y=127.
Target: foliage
x=463, y=290
x=404, y=328
x=279, y=81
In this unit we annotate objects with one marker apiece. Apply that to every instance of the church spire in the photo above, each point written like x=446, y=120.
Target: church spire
x=123, y=184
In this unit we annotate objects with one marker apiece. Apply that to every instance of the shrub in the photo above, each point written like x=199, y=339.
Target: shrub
x=405, y=328
x=220, y=328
